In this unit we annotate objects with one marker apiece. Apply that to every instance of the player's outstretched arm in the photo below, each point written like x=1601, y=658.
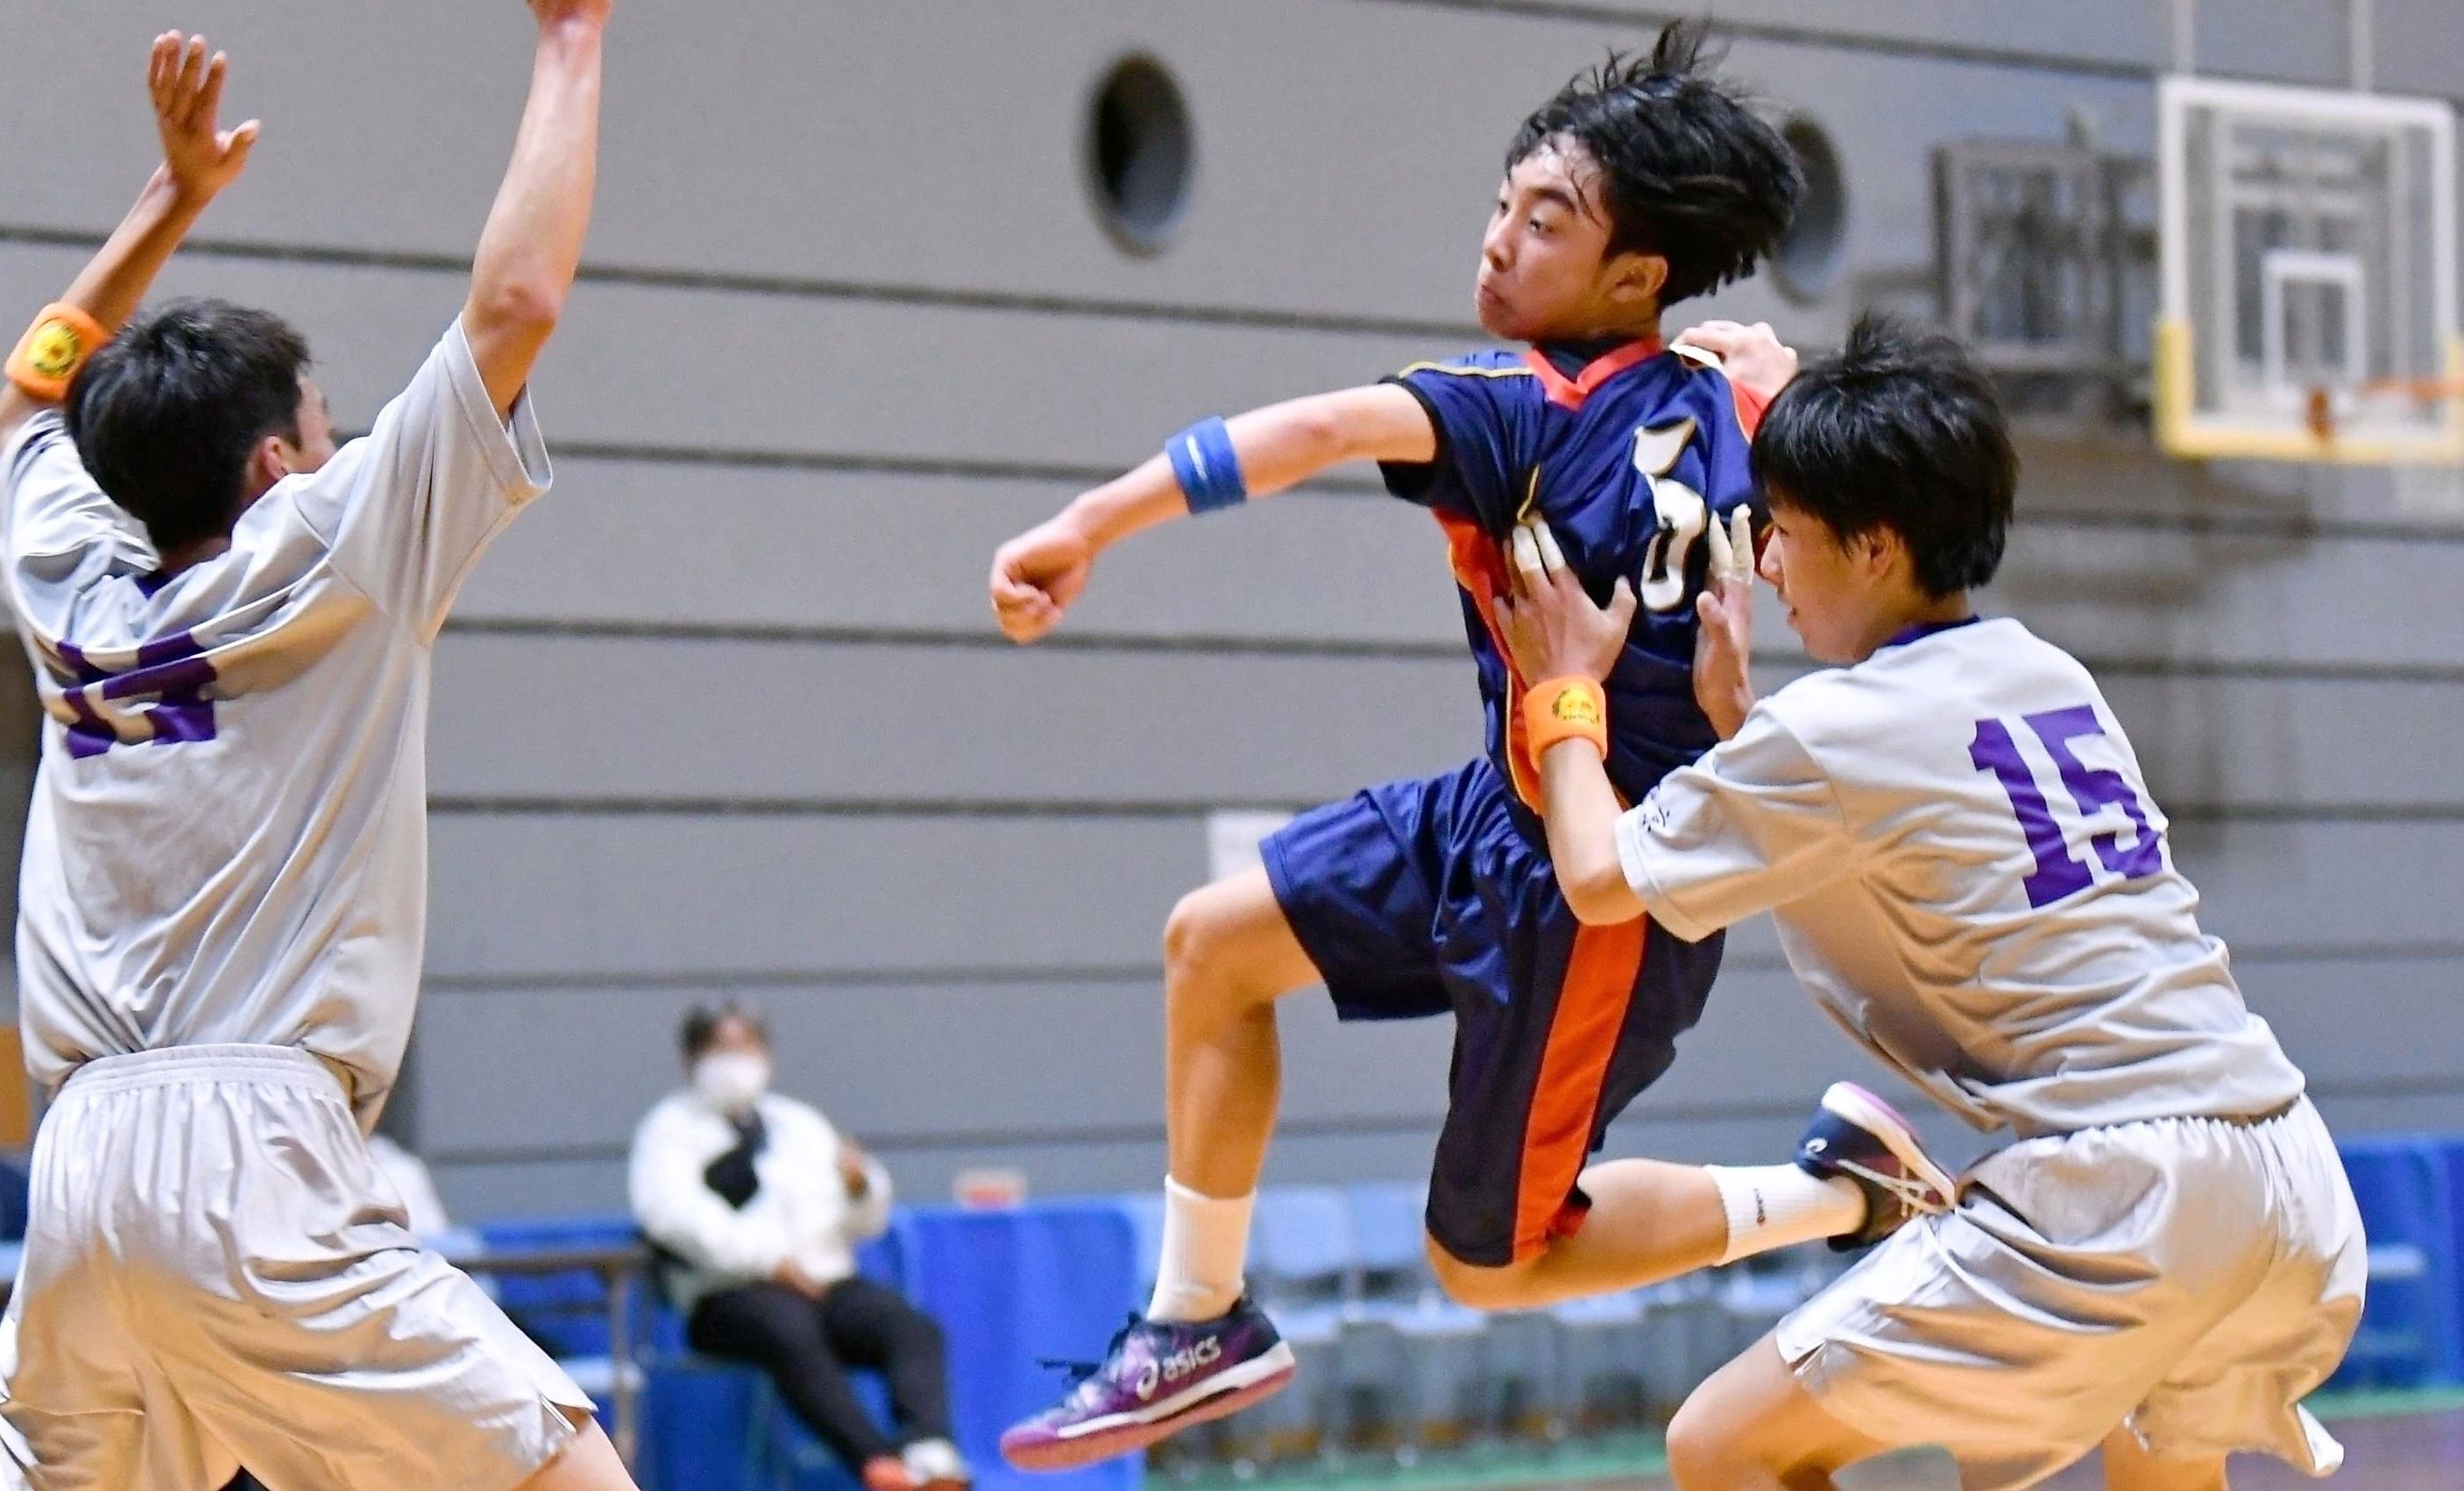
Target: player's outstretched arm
x=199, y=158
x=1554, y=633
x=531, y=246
x=1038, y=575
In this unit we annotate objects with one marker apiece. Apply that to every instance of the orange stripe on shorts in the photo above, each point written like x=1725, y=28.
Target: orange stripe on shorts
x=1583, y=1033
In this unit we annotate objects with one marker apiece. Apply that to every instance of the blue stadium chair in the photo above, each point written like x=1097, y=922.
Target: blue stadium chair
x=1049, y=1281
x=566, y=1313
x=2409, y=1333
x=1415, y=1362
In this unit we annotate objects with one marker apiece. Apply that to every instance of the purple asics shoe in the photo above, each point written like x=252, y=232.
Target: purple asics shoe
x=1156, y=1378
x=1858, y=1135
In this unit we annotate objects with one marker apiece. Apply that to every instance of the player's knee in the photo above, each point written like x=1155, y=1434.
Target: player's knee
x=1201, y=948
x=1513, y=1287
x=1704, y=1449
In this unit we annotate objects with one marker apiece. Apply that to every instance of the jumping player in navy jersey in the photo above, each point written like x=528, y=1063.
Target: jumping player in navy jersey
x=1641, y=185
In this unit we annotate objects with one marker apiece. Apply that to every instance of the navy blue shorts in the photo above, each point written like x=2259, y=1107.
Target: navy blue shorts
x=1436, y=896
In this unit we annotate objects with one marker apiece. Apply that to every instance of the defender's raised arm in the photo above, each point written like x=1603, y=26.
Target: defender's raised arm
x=531, y=246
x=199, y=158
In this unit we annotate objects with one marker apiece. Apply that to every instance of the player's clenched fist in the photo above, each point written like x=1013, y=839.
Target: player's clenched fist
x=1037, y=574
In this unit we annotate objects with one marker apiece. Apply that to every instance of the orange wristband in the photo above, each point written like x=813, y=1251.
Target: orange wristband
x=53, y=349
x=1566, y=709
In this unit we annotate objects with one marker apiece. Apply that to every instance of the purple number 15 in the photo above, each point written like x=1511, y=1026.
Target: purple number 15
x=2059, y=874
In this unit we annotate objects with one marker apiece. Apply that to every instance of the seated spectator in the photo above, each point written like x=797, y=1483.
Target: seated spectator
x=758, y=1204
x=421, y=1205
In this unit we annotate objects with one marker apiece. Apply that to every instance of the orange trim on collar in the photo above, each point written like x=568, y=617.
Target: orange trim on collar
x=1569, y=392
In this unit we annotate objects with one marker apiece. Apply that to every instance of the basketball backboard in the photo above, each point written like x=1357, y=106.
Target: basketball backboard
x=2308, y=276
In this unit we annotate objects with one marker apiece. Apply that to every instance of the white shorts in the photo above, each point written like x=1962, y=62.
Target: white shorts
x=217, y=1274
x=2193, y=1278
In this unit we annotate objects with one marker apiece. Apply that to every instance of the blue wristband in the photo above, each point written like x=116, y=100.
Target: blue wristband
x=1207, y=467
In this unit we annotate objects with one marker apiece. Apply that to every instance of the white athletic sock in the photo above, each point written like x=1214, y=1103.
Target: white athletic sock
x=1772, y=1206
x=1205, y=1245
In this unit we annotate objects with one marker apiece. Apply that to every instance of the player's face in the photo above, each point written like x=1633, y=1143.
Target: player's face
x=1545, y=274
x=315, y=432
x=1822, y=581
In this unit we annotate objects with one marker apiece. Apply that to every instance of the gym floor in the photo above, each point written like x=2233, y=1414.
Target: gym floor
x=2393, y=1442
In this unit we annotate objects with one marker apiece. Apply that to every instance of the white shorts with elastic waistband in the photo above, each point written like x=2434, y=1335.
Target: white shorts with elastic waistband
x=217, y=1274
x=2193, y=1278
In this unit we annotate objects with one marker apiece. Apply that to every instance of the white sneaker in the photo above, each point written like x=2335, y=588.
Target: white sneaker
x=936, y=1465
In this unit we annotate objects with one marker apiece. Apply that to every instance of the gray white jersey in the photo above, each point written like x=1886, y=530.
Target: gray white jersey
x=1969, y=876
x=229, y=838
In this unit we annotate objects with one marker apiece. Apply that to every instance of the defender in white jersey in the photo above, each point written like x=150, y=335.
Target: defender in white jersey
x=225, y=878
x=1969, y=876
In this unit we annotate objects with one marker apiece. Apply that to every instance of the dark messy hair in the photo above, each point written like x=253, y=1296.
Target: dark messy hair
x=165, y=413
x=1900, y=430
x=701, y=1025
x=1688, y=171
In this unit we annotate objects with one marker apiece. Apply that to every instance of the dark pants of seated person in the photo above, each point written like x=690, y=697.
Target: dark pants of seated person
x=807, y=1345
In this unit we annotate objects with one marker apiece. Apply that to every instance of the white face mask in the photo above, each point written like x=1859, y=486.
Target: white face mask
x=731, y=1081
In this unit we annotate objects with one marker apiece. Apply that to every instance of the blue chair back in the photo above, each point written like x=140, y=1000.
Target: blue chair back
x=1389, y=1225
x=1052, y=1281
x=2412, y=1333
x=1145, y=1210
x=565, y=1312
x=1300, y=1235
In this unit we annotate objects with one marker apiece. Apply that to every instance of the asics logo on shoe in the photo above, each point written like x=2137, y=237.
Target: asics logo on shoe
x=1153, y=1373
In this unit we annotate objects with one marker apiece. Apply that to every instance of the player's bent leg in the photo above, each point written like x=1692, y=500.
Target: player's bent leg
x=1649, y=1220
x=589, y=1463
x=1753, y=1427
x=2131, y=1466
x=1230, y=954
x=1202, y=1350
x=1860, y=1173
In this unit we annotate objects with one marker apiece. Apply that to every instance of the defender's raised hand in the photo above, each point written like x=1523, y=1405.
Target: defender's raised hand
x=1724, y=643
x=1552, y=630
x=551, y=12
x=186, y=83
x=1752, y=356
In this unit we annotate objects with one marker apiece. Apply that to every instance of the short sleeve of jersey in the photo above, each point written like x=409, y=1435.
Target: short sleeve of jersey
x=62, y=531
x=1752, y=826
x=1486, y=409
x=408, y=508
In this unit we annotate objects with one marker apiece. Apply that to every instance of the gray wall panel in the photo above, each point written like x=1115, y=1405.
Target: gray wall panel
x=773, y=721
x=880, y=1058
x=791, y=102
x=588, y=897
x=1070, y=390
x=2186, y=596
x=635, y=543
x=568, y=896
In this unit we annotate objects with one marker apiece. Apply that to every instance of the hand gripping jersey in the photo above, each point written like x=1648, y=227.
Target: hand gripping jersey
x=228, y=842
x=1969, y=876
x=1629, y=456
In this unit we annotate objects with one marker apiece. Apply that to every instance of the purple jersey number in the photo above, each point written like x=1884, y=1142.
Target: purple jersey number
x=2058, y=874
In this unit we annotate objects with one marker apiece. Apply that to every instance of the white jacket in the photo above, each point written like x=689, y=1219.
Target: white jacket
x=800, y=1210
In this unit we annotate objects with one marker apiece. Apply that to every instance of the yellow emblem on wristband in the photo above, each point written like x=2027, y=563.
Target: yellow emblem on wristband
x=1577, y=706
x=55, y=349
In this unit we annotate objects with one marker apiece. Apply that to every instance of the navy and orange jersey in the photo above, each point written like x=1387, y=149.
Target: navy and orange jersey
x=1570, y=437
